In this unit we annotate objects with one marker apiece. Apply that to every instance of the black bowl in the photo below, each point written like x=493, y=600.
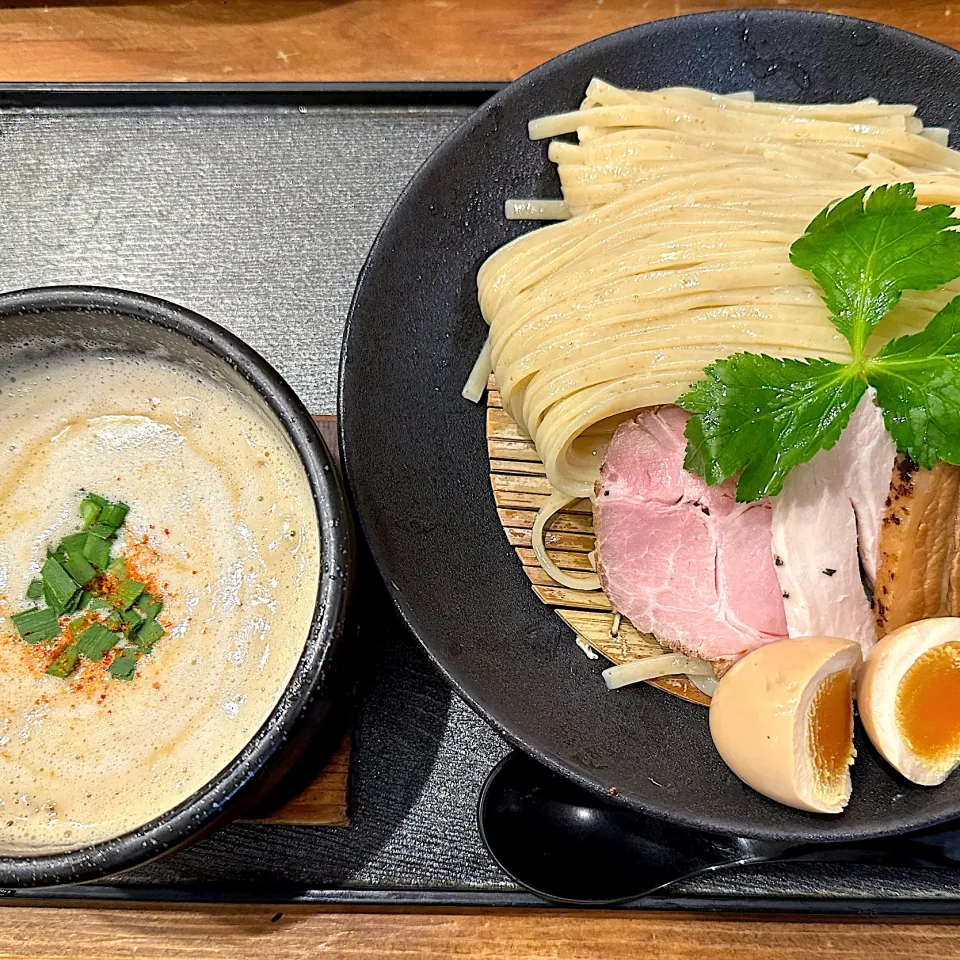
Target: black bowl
x=415, y=452
x=79, y=319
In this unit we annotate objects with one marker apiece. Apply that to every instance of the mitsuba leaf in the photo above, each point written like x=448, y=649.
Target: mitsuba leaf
x=763, y=416
x=917, y=378
x=866, y=250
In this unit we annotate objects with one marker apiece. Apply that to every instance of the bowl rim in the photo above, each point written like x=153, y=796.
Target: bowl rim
x=206, y=808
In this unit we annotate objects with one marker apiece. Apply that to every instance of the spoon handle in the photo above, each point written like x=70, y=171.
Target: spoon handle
x=930, y=848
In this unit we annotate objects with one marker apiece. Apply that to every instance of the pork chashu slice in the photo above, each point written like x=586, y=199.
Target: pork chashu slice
x=678, y=558
x=919, y=575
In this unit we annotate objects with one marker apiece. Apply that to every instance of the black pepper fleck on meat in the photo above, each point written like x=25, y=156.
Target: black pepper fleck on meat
x=830, y=571
x=906, y=468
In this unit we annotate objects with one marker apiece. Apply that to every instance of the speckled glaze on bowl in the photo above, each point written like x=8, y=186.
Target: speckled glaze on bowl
x=88, y=318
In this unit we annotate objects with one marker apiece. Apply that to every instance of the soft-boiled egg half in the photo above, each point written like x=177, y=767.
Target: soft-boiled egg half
x=909, y=699
x=782, y=719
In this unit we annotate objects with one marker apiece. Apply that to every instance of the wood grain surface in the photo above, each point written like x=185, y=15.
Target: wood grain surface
x=298, y=40
x=323, y=802
x=268, y=933
x=359, y=40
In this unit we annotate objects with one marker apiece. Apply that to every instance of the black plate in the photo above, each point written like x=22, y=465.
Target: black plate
x=415, y=452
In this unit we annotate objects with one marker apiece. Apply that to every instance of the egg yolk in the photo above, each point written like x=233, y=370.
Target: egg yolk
x=831, y=727
x=927, y=703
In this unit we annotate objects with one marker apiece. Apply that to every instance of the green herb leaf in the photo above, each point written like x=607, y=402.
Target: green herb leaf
x=36, y=625
x=764, y=416
x=97, y=551
x=148, y=634
x=118, y=568
x=35, y=590
x=59, y=588
x=131, y=619
x=128, y=593
x=917, y=378
x=864, y=254
x=97, y=500
x=112, y=620
x=95, y=641
x=65, y=662
x=101, y=603
x=124, y=666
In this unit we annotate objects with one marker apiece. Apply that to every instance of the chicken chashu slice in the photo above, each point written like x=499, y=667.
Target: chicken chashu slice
x=919, y=575
x=826, y=527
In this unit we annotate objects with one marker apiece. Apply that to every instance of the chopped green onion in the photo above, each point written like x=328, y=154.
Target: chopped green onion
x=72, y=545
x=59, y=588
x=71, y=566
x=114, y=514
x=149, y=606
x=102, y=530
x=57, y=555
x=124, y=666
x=97, y=551
x=74, y=602
x=148, y=635
x=89, y=511
x=65, y=662
x=79, y=568
x=128, y=592
x=36, y=625
x=95, y=641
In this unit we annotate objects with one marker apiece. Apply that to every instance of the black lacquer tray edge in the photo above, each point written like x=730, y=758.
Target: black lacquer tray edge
x=31, y=96
x=427, y=898
x=120, y=96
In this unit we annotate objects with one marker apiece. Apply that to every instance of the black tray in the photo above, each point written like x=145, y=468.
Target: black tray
x=255, y=205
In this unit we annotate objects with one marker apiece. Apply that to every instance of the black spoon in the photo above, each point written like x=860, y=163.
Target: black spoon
x=571, y=846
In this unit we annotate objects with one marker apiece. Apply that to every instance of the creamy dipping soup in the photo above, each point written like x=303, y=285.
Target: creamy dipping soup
x=221, y=529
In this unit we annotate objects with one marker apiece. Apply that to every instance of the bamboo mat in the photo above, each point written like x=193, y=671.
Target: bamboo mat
x=520, y=488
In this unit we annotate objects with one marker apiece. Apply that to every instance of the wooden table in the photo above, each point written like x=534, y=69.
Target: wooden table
x=394, y=40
